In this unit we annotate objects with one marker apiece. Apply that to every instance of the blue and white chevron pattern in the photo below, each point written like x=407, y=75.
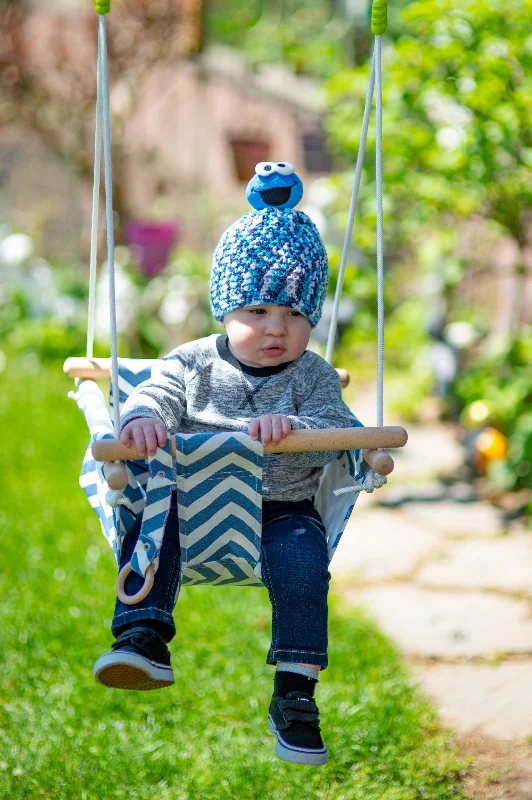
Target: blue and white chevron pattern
x=335, y=511
x=115, y=523
x=161, y=480
x=219, y=493
x=219, y=483
x=131, y=373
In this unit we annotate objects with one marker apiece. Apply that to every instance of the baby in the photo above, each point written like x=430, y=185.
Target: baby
x=268, y=283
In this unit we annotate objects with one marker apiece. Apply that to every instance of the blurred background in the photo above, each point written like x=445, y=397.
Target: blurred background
x=201, y=90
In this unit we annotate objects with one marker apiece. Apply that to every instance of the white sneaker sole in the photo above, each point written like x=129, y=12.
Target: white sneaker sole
x=296, y=755
x=132, y=671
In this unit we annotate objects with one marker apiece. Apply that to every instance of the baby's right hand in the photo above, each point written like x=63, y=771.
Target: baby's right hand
x=145, y=433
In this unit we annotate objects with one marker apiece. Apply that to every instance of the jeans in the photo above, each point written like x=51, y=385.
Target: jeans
x=294, y=561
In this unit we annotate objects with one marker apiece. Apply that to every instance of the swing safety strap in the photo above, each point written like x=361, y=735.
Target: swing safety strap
x=219, y=500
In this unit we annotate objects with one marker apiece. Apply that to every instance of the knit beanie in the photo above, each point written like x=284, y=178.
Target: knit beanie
x=270, y=256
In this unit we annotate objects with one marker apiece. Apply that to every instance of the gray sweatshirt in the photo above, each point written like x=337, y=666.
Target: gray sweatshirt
x=200, y=387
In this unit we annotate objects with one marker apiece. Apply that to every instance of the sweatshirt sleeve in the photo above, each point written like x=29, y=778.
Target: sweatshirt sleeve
x=162, y=396
x=323, y=407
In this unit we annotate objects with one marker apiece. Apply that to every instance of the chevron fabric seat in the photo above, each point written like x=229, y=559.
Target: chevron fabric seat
x=219, y=490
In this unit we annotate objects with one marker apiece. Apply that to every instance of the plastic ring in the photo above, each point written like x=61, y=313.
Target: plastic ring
x=145, y=589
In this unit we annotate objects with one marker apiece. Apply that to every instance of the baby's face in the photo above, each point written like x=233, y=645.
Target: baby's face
x=267, y=335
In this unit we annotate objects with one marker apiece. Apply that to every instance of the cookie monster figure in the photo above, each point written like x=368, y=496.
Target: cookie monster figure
x=274, y=185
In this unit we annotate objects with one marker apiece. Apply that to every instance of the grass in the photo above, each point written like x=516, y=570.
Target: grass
x=62, y=735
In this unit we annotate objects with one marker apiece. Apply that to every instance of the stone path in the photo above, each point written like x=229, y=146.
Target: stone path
x=444, y=579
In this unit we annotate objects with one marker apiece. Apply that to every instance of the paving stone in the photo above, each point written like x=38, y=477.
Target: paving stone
x=448, y=624
x=368, y=500
x=396, y=496
x=429, y=451
x=492, y=700
x=504, y=563
x=382, y=544
x=464, y=519
x=430, y=448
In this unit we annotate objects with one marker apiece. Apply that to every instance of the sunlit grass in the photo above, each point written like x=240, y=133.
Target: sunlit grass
x=62, y=735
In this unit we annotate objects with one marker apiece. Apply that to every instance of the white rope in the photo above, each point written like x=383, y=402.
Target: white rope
x=116, y=498
x=371, y=480
x=108, y=180
x=380, y=233
x=350, y=220
x=95, y=212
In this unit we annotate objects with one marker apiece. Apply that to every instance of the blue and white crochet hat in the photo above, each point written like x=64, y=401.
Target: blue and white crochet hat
x=270, y=256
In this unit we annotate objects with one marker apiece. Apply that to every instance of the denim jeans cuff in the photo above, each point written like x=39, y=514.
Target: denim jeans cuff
x=139, y=614
x=298, y=657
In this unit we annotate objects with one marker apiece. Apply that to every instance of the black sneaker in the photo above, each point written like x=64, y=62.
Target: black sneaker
x=139, y=660
x=294, y=721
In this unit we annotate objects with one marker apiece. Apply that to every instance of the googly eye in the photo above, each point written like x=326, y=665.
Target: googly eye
x=264, y=168
x=284, y=168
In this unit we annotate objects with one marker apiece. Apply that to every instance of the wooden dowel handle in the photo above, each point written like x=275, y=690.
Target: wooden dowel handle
x=94, y=368
x=100, y=368
x=344, y=377
x=295, y=442
x=115, y=474
x=379, y=460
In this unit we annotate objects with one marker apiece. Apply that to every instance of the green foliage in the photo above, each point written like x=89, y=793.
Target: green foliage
x=44, y=318
x=58, y=328
x=64, y=736
x=48, y=339
x=317, y=37
x=457, y=97
x=504, y=382
x=308, y=36
x=185, y=283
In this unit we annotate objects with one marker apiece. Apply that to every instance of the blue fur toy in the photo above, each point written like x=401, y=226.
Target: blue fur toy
x=274, y=185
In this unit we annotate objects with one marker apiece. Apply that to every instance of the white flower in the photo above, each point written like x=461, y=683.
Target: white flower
x=127, y=303
x=460, y=334
x=15, y=249
x=450, y=138
x=174, y=308
x=67, y=309
x=39, y=287
x=321, y=193
x=317, y=216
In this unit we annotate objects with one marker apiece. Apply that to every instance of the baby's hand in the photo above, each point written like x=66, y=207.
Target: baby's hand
x=272, y=428
x=145, y=433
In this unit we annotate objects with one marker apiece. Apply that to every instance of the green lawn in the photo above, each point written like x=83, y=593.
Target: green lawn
x=62, y=735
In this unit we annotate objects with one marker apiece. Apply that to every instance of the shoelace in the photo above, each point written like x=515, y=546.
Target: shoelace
x=138, y=639
x=300, y=708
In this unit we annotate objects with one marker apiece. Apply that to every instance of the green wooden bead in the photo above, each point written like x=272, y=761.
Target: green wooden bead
x=379, y=13
x=102, y=6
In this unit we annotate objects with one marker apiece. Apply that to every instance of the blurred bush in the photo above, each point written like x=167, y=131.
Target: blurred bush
x=457, y=146
x=497, y=390
x=43, y=307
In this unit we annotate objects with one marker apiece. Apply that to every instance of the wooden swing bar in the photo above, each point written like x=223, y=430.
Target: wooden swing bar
x=370, y=440
x=302, y=441
x=99, y=369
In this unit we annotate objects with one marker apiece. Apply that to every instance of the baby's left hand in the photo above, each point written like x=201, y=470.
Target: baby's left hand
x=272, y=428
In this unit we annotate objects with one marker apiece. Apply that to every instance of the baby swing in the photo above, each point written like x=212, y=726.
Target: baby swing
x=218, y=477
